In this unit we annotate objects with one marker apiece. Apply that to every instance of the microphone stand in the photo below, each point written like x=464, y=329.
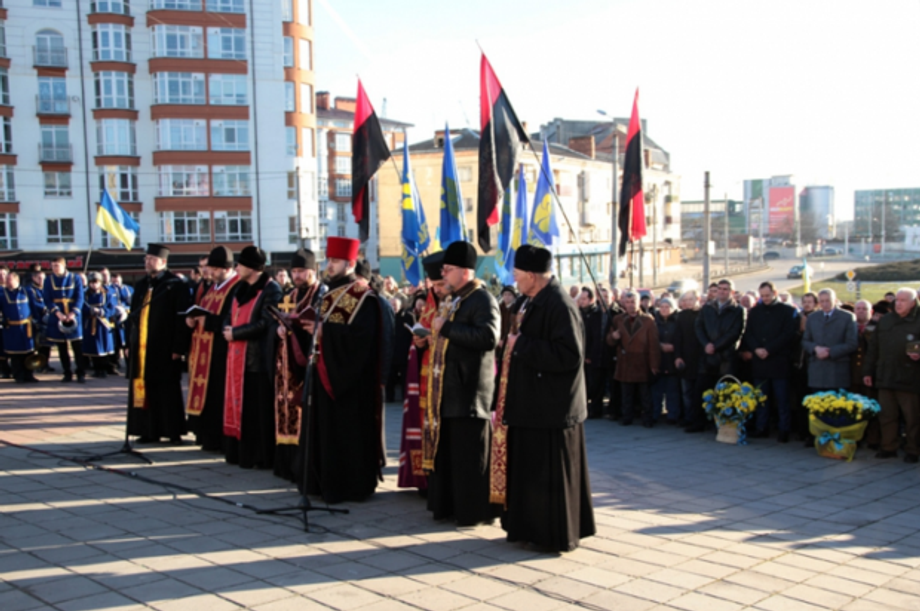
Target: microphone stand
x=127, y=448
x=304, y=505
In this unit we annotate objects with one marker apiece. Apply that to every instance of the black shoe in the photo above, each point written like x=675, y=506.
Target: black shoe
x=873, y=446
x=782, y=437
x=809, y=442
x=886, y=454
x=648, y=423
x=175, y=440
x=912, y=459
x=626, y=422
x=103, y=374
x=695, y=428
x=32, y=380
x=145, y=439
x=68, y=377
x=81, y=379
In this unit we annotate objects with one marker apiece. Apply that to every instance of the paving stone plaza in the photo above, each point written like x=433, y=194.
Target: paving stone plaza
x=683, y=523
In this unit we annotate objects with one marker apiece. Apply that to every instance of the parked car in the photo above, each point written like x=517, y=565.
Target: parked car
x=679, y=287
x=796, y=271
x=831, y=251
x=771, y=255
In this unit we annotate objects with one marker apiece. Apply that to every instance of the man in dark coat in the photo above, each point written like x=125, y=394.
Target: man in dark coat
x=345, y=409
x=251, y=333
x=402, y=339
x=666, y=387
x=688, y=351
x=593, y=318
x=462, y=388
x=866, y=326
x=543, y=406
x=768, y=342
x=158, y=338
x=635, y=337
x=718, y=328
x=893, y=368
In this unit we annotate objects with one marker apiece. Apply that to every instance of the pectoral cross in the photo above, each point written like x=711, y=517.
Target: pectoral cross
x=287, y=306
x=437, y=371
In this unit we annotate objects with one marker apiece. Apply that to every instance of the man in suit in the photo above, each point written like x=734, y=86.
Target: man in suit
x=830, y=338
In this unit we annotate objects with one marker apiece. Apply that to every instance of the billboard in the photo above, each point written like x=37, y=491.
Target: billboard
x=781, y=219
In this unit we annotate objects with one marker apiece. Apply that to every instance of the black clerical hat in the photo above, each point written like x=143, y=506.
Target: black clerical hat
x=529, y=258
x=433, y=265
x=158, y=250
x=460, y=254
x=222, y=257
x=252, y=257
x=304, y=258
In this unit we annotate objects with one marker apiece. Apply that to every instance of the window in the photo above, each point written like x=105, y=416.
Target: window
x=465, y=173
x=293, y=232
x=289, y=105
x=342, y=165
x=49, y=49
x=231, y=180
x=185, y=227
x=120, y=181
x=322, y=190
x=287, y=10
x=305, y=50
x=115, y=137
x=57, y=184
x=4, y=87
x=9, y=240
x=225, y=6
x=227, y=89
x=343, y=187
x=121, y=7
x=232, y=226
x=179, y=88
x=7, y=184
x=182, y=135
x=287, y=57
x=340, y=213
x=306, y=98
x=2, y=38
x=176, y=5
x=229, y=135
x=49, y=3
x=290, y=139
x=55, y=143
x=468, y=204
x=109, y=241
x=306, y=142
x=111, y=42
x=52, y=95
x=177, y=41
x=227, y=43
x=343, y=143
x=303, y=12
x=183, y=180
x=292, y=185
x=60, y=231
x=6, y=138
x=114, y=90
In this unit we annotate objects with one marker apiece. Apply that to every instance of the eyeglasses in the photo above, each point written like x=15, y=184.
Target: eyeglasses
x=446, y=269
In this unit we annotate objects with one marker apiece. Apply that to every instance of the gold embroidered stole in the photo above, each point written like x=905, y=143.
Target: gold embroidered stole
x=139, y=387
x=289, y=381
x=498, y=465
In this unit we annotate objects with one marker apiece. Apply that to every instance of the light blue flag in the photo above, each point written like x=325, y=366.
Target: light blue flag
x=519, y=223
x=453, y=223
x=503, y=252
x=544, y=226
x=415, y=237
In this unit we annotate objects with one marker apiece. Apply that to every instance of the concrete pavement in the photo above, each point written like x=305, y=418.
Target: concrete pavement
x=683, y=523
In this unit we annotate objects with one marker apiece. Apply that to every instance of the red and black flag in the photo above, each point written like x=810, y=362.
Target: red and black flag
x=632, y=201
x=499, y=146
x=369, y=152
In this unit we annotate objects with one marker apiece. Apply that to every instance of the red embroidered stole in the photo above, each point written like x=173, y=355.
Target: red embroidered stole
x=289, y=375
x=236, y=369
x=411, y=473
x=199, y=360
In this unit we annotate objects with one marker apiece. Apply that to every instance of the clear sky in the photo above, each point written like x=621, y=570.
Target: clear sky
x=828, y=91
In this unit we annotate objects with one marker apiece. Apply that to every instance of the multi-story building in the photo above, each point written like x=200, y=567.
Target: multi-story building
x=816, y=209
x=771, y=208
x=888, y=209
x=177, y=107
x=583, y=185
x=335, y=119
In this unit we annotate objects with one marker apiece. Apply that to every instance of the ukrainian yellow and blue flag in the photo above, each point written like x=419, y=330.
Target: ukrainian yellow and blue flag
x=503, y=252
x=415, y=237
x=544, y=226
x=453, y=224
x=112, y=218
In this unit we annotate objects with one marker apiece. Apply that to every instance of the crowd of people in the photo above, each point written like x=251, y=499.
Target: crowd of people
x=649, y=359
x=290, y=372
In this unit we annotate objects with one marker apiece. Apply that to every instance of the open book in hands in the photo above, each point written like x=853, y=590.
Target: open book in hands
x=418, y=330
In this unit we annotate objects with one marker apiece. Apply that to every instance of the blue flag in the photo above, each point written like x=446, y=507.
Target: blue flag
x=544, y=227
x=415, y=238
x=503, y=252
x=112, y=218
x=453, y=224
x=519, y=224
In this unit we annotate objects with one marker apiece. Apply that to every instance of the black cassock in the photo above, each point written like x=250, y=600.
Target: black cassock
x=344, y=432
x=167, y=334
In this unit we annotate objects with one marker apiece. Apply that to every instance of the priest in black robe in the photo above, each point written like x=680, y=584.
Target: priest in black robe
x=158, y=340
x=344, y=412
x=548, y=492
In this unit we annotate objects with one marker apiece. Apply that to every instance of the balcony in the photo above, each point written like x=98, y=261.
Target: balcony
x=52, y=106
x=175, y=5
x=49, y=58
x=115, y=7
x=60, y=153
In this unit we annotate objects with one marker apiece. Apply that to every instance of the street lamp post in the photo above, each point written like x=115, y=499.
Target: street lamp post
x=614, y=203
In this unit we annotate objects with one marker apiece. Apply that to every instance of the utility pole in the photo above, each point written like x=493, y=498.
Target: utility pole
x=615, y=216
x=884, y=205
x=301, y=239
x=655, y=235
x=750, y=251
x=727, y=241
x=706, y=233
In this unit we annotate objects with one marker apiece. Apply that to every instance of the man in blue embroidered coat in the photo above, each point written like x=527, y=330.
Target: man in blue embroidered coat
x=98, y=309
x=18, y=326
x=36, y=291
x=64, y=300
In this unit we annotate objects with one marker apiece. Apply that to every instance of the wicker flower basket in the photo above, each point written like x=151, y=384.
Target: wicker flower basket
x=728, y=433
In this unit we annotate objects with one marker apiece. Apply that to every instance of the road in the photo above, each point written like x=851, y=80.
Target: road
x=824, y=269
